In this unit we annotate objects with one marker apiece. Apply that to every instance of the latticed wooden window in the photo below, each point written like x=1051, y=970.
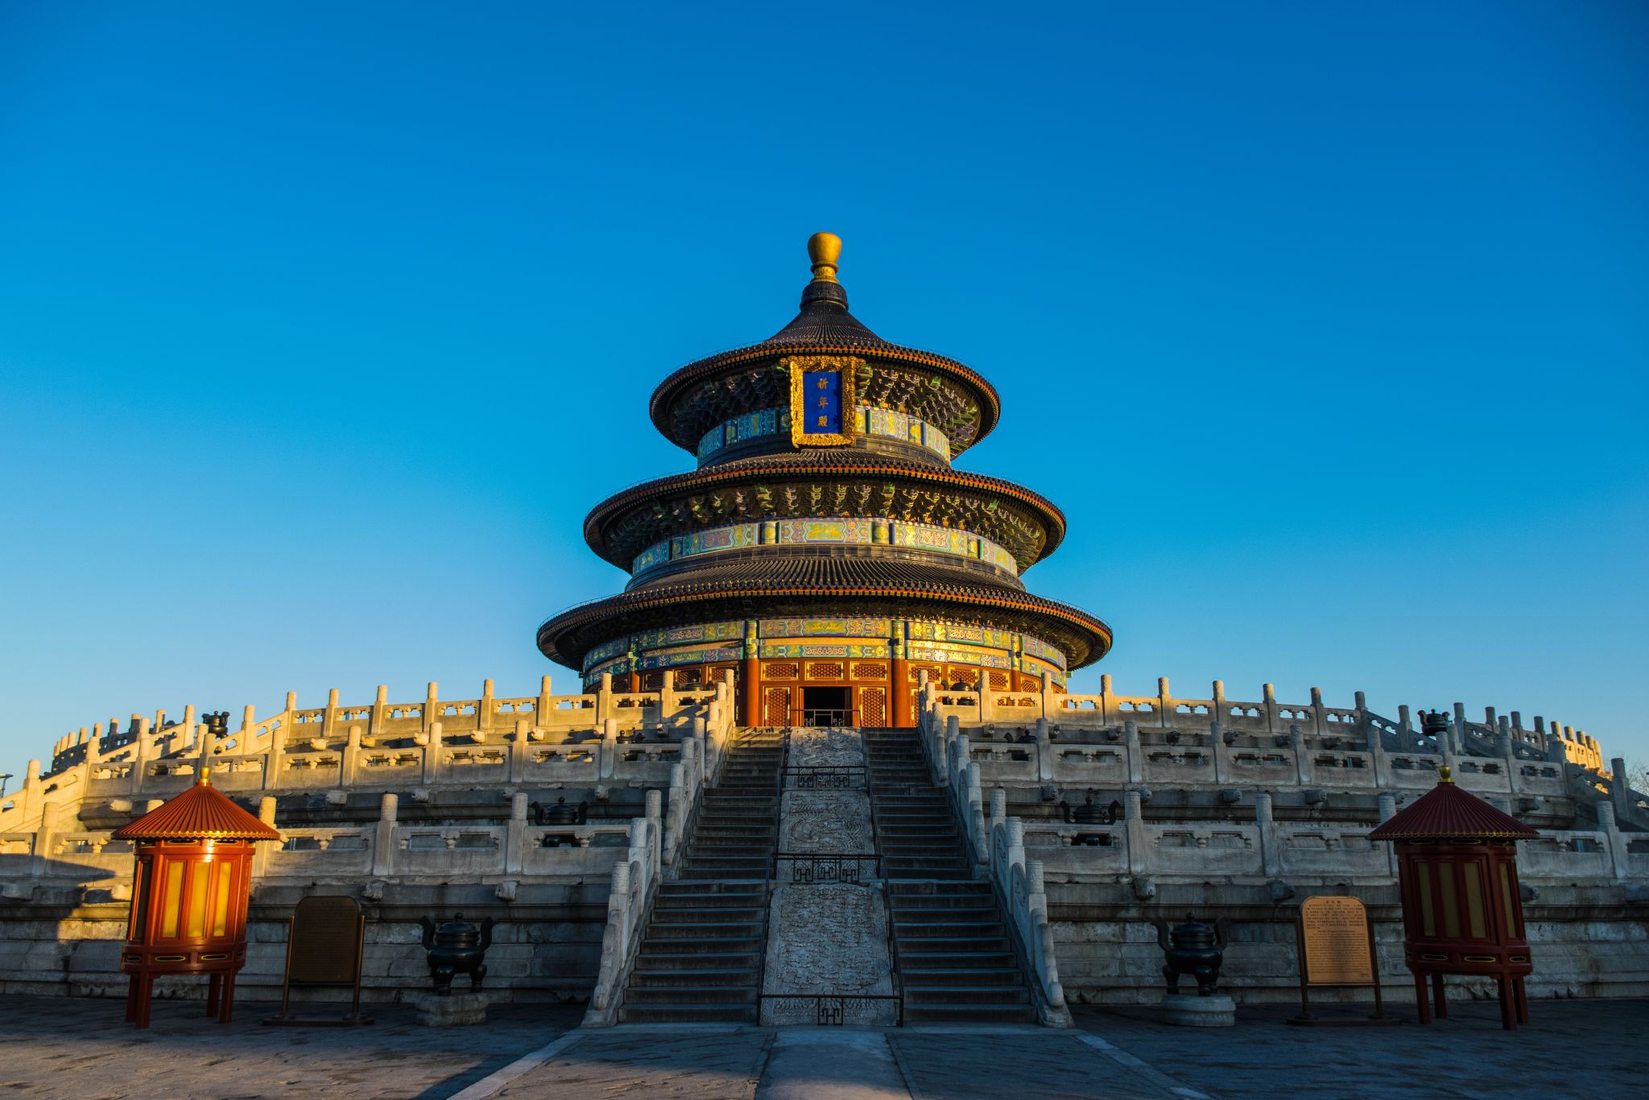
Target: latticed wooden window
x=935, y=673
x=826, y=670
x=869, y=670
x=962, y=674
x=781, y=670
x=873, y=706
x=999, y=681
x=689, y=677
x=777, y=709
x=652, y=681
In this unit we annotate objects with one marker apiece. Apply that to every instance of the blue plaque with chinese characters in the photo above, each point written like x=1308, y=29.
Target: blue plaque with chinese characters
x=821, y=401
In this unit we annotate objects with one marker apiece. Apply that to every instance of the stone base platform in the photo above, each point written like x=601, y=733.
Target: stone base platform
x=453, y=1010
x=1193, y=1010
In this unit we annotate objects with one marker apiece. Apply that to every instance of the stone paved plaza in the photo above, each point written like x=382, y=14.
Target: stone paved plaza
x=75, y=1048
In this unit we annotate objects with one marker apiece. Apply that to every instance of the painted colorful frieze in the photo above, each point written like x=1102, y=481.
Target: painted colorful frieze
x=839, y=628
x=816, y=649
x=836, y=530
x=886, y=423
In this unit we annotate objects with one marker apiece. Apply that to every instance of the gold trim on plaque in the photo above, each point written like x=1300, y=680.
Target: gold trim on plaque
x=847, y=366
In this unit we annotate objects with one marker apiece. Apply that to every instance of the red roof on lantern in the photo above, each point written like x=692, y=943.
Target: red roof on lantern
x=1448, y=813
x=199, y=813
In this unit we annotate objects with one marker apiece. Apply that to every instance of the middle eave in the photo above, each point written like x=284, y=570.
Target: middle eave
x=825, y=467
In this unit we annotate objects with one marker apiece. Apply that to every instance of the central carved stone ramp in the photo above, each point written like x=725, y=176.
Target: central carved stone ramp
x=700, y=958
x=955, y=961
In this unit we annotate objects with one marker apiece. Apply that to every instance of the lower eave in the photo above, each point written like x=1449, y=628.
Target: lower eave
x=567, y=637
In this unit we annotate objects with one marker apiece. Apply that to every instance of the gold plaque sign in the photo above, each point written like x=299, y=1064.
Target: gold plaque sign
x=1334, y=942
x=823, y=412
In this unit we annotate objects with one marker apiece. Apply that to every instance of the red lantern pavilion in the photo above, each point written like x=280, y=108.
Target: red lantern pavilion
x=190, y=891
x=1462, y=913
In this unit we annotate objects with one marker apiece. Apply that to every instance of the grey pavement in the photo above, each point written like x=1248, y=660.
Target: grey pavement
x=80, y=1048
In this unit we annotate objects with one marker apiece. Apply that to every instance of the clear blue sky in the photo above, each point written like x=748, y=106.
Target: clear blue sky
x=322, y=327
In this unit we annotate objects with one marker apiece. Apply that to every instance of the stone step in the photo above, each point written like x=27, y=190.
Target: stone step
x=969, y=1014
x=732, y=1012
x=917, y=946
x=698, y=914
x=730, y=845
x=661, y=961
x=702, y=977
x=713, y=928
x=940, y=929
x=724, y=874
x=745, y=867
x=654, y=948
x=926, y=867
x=966, y=994
x=637, y=996
x=692, y=903
x=951, y=889
x=961, y=908
x=915, y=964
x=930, y=976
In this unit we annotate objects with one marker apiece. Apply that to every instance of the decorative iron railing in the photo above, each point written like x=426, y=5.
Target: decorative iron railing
x=818, y=868
x=836, y=1009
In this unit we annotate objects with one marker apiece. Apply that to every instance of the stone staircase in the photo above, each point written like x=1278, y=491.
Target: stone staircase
x=955, y=961
x=701, y=956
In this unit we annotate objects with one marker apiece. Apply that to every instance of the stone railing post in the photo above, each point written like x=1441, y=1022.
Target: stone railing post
x=329, y=720
x=515, y=835
x=349, y=766
x=609, y=746
x=1221, y=751
x=434, y=751
x=604, y=698
x=383, y=839
x=1044, y=751
x=1304, y=768
x=518, y=750
x=374, y=721
x=1137, y=840
x=1620, y=789
x=260, y=852
x=676, y=815
x=1270, y=857
x=976, y=814
x=1130, y=744
x=487, y=708
x=1616, y=843
x=432, y=708
x=1268, y=701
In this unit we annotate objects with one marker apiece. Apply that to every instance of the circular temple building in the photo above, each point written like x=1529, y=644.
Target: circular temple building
x=825, y=551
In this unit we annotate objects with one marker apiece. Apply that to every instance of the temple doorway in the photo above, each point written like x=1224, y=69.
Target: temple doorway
x=827, y=706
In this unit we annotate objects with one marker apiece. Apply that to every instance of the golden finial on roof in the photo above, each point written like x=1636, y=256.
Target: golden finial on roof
x=1445, y=774
x=824, y=248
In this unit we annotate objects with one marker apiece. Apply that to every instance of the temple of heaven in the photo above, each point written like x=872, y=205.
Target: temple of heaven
x=824, y=551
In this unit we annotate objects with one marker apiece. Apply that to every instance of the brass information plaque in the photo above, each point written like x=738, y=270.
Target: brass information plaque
x=1334, y=941
x=326, y=942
